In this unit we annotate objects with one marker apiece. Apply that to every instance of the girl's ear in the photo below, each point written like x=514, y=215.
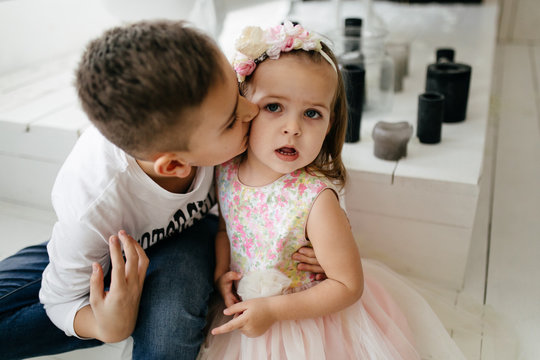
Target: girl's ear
x=169, y=164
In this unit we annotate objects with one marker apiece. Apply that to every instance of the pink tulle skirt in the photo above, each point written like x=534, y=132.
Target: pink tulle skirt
x=375, y=327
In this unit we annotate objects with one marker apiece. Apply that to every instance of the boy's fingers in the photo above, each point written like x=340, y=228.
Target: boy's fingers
x=302, y=258
x=308, y=262
x=307, y=251
x=306, y=255
x=311, y=268
x=96, y=284
x=132, y=256
x=143, y=263
x=117, y=262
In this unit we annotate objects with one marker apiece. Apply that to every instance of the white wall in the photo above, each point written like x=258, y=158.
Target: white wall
x=519, y=21
x=35, y=30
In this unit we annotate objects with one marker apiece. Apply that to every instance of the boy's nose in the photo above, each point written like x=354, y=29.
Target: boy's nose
x=246, y=109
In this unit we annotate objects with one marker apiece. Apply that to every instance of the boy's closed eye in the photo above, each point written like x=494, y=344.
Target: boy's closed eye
x=232, y=123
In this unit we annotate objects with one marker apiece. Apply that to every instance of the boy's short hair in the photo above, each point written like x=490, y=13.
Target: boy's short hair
x=135, y=81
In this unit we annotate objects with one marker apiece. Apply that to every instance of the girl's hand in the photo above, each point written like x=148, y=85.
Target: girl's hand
x=225, y=286
x=308, y=262
x=252, y=317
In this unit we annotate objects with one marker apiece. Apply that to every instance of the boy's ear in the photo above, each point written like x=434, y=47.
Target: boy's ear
x=169, y=164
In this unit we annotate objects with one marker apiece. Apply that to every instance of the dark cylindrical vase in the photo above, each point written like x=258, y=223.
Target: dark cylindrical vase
x=353, y=79
x=430, y=117
x=452, y=80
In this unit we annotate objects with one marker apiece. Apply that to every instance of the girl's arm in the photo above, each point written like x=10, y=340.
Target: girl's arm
x=330, y=234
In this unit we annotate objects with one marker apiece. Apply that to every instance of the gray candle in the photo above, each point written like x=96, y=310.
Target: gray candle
x=391, y=139
x=399, y=52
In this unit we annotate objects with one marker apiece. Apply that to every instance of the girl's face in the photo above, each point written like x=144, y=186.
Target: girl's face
x=294, y=96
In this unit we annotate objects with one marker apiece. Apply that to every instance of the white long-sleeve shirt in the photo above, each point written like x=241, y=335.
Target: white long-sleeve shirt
x=99, y=191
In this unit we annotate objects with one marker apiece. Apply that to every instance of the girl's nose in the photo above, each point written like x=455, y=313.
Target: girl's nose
x=292, y=127
x=246, y=109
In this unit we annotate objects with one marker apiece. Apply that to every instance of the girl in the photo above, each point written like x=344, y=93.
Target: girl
x=283, y=195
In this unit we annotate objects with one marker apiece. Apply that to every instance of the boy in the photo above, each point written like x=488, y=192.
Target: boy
x=166, y=108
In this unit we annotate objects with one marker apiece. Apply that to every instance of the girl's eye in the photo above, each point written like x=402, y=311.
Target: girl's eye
x=313, y=114
x=273, y=107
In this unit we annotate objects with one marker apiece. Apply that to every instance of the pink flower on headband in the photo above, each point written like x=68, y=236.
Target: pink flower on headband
x=288, y=45
x=245, y=68
x=254, y=45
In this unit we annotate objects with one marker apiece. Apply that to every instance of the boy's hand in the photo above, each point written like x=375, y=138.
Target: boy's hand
x=225, y=286
x=115, y=311
x=252, y=317
x=308, y=262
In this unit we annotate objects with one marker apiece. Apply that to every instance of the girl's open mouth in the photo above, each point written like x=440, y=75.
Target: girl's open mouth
x=287, y=153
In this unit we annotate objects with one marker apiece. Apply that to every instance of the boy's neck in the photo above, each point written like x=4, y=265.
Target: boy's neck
x=172, y=184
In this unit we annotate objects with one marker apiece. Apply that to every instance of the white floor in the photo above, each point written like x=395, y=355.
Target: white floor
x=503, y=268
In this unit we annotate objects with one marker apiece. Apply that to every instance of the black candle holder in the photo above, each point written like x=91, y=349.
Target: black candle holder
x=354, y=81
x=452, y=80
x=430, y=117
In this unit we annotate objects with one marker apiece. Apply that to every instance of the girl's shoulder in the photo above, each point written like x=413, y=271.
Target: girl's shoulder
x=313, y=180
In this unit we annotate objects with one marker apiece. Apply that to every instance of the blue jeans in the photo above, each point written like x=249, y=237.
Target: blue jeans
x=172, y=312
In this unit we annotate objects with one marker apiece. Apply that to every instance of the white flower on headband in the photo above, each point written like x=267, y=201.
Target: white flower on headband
x=254, y=45
x=251, y=43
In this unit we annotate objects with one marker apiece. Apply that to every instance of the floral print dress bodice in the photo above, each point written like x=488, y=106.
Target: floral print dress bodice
x=267, y=224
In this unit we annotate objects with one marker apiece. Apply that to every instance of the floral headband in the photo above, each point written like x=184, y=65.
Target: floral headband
x=255, y=45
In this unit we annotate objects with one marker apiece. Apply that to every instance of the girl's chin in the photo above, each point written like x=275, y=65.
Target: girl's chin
x=285, y=168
